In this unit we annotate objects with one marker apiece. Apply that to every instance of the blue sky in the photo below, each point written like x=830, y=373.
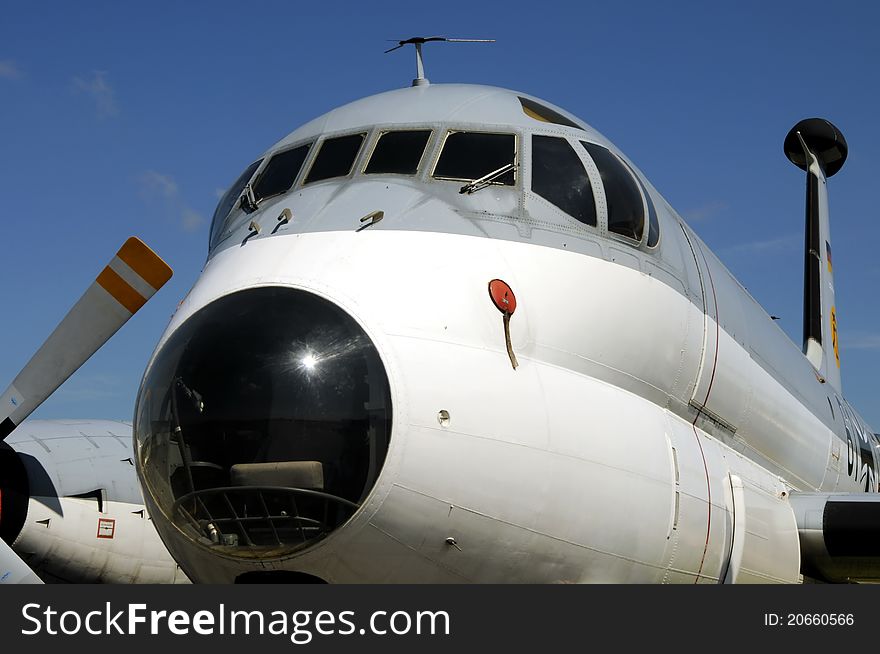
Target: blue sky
x=122, y=118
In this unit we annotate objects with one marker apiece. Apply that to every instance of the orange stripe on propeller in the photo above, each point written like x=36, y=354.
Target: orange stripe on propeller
x=121, y=290
x=145, y=262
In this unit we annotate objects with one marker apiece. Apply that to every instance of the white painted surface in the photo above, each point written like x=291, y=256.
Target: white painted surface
x=547, y=473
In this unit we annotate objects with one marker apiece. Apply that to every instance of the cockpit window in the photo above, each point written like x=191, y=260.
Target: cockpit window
x=559, y=177
x=280, y=172
x=229, y=198
x=653, y=226
x=398, y=152
x=626, y=211
x=335, y=158
x=538, y=111
x=471, y=155
x=653, y=223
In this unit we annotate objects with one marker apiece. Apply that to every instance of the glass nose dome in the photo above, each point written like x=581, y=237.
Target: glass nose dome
x=263, y=422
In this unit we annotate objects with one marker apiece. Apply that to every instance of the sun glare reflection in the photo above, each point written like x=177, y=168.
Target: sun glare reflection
x=313, y=358
x=309, y=361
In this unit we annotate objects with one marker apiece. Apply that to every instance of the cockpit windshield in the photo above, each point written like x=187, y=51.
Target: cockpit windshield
x=558, y=176
x=229, y=198
x=558, y=173
x=468, y=156
x=280, y=172
x=398, y=152
x=335, y=158
x=626, y=210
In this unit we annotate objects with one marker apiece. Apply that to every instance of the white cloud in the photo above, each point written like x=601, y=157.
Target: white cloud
x=99, y=90
x=779, y=244
x=191, y=220
x=9, y=69
x=863, y=341
x=158, y=186
x=705, y=212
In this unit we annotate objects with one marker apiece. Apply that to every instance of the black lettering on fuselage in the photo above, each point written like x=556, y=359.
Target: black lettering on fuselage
x=861, y=450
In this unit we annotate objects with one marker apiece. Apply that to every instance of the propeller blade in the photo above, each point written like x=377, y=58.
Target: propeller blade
x=13, y=570
x=130, y=279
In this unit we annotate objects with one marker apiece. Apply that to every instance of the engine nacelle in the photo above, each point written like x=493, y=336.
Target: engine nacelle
x=70, y=505
x=839, y=534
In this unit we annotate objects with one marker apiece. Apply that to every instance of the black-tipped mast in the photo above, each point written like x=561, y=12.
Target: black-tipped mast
x=818, y=147
x=418, y=41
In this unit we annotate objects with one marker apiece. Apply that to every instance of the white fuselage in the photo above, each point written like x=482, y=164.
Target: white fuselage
x=657, y=421
x=583, y=464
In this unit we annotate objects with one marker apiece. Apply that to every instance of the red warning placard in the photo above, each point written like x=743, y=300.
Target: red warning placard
x=106, y=527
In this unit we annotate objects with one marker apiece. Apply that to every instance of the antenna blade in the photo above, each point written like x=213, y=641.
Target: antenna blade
x=470, y=40
x=130, y=279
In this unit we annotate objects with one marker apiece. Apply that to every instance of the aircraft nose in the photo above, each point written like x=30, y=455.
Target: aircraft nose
x=262, y=423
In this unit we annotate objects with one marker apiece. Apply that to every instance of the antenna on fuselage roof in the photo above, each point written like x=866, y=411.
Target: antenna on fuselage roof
x=420, y=79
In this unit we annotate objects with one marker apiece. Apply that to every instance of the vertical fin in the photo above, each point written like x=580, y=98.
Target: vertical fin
x=817, y=147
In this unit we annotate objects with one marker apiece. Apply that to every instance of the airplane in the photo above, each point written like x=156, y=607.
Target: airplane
x=451, y=333
x=70, y=506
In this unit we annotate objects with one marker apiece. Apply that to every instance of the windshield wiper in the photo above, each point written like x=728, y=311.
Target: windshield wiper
x=487, y=179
